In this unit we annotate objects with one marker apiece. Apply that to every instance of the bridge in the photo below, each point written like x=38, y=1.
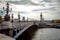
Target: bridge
x=16, y=28
x=22, y=28
x=27, y=30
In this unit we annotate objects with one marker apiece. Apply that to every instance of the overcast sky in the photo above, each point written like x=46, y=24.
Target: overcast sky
x=32, y=8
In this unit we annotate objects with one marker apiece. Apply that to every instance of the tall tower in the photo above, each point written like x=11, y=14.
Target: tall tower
x=41, y=18
x=7, y=16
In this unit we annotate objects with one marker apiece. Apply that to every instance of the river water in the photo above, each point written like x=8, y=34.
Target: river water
x=47, y=34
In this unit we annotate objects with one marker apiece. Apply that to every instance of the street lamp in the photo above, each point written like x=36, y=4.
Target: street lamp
x=12, y=19
x=18, y=29
x=7, y=16
x=19, y=17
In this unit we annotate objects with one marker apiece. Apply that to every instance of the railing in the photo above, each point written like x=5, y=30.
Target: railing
x=20, y=32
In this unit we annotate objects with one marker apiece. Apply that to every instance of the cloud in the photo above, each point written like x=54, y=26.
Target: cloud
x=51, y=7
x=47, y=0
x=46, y=9
x=22, y=2
x=8, y=0
x=25, y=2
x=51, y=1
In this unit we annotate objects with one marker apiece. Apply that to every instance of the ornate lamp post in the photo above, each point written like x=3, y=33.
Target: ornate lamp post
x=12, y=19
x=7, y=16
x=27, y=19
x=23, y=19
x=18, y=29
x=19, y=17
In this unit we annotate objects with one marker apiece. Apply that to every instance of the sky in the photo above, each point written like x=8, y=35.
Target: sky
x=33, y=8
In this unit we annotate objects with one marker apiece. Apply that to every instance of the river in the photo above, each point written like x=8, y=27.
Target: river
x=47, y=34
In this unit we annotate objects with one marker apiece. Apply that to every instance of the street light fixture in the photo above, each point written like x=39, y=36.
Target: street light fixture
x=7, y=16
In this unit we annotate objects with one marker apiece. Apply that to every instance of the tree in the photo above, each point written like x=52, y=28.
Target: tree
x=1, y=19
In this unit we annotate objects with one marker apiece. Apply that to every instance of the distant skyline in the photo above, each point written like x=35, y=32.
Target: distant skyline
x=32, y=8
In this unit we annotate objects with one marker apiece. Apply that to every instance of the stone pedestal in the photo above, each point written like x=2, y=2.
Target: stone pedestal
x=7, y=17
